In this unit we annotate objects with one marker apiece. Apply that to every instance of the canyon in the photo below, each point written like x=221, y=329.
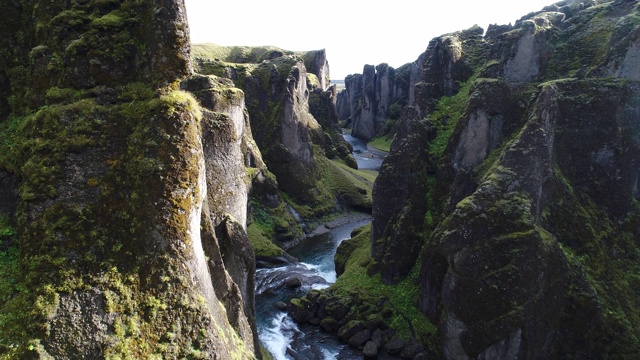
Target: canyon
x=145, y=179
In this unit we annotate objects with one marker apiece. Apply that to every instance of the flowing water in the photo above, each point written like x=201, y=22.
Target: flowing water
x=278, y=333
x=366, y=158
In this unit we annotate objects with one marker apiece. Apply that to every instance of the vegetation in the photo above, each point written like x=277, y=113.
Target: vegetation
x=401, y=312
x=261, y=244
x=237, y=54
x=449, y=110
x=382, y=143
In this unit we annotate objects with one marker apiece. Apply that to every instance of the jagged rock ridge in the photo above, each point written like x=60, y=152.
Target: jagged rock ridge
x=377, y=95
x=518, y=157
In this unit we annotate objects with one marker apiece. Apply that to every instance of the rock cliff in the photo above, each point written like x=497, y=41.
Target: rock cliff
x=124, y=199
x=294, y=120
x=515, y=204
x=377, y=95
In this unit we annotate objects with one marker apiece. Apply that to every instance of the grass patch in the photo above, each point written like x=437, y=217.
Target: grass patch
x=366, y=177
x=10, y=271
x=350, y=187
x=9, y=131
x=403, y=297
x=260, y=243
x=13, y=311
x=448, y=111
x=382, y=143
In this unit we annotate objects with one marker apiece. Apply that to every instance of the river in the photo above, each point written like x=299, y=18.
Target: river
x=282, y=337
x=367, y=158
x=278, y=333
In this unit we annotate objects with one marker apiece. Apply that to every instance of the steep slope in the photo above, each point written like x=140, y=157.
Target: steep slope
x=116, y=238
x=518, y=160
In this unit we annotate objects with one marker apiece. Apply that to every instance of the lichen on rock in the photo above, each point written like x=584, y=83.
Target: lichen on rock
x=113, y=213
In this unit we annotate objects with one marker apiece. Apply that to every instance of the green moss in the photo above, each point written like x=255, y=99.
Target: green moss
x=584, y=43
x=236, y=54
x=382, y=143
x=312, y=81
x=66, y=95
x=70, y=18
x=402, y=298
x=348, y=185
x=110, y=21
x=10, y=268
x=449, y=110
x=266, y=355
x=260, y=243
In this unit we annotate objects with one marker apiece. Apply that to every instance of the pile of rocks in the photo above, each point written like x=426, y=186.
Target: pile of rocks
x=361, y=325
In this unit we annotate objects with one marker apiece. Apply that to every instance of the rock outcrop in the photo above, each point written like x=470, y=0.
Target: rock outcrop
x=127, y=236
x=399, y=215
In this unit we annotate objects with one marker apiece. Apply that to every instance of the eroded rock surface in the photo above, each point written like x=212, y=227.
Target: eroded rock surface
x=118, y=174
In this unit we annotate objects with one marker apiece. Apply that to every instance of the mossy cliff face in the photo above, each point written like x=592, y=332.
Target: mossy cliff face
x=283, y=100
x=445, y=67
x=322, y=105
x=117, y=246
x=398, y=213
x=528, y=214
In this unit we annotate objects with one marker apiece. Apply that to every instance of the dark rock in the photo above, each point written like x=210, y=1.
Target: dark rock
x=410, y=351
x=8, y=193
x=394, y=345
x=281, y=306
x=315, y=321
x=338, y=308
x=377, y=337
x=274, y=261
x=342, y=105
x=301, y=310
x=421, y=356
x=294, y=282
x=313, y=295
x=360, y=338
x=349, y=329
x=370, y=97
x=370, y=349
x=375, y=321
x=445, y=68
x=239, y=260
x=329, y=324
x=396, y=248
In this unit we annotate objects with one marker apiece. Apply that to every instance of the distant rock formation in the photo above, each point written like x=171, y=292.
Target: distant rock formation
x=377, y=94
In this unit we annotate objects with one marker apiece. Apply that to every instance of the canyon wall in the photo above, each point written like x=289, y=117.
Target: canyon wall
x=124, y=198
x=522, y=187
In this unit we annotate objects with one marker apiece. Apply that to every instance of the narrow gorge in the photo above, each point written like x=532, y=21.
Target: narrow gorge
x=162, y=199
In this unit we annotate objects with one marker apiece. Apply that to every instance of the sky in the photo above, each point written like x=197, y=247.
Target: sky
x=353, y=32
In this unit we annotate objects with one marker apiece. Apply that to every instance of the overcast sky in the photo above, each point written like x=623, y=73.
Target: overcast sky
x=353, y=32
